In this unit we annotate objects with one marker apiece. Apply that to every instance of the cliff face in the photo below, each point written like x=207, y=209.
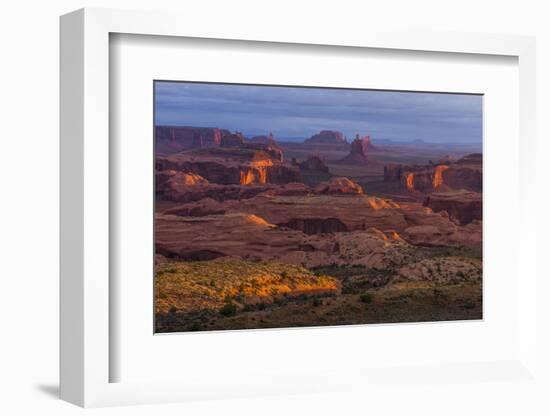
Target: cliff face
x=393, y=172
x=272, y=149
x=463, y=206
x=231, y=166
x=173, y=139
x=424, y=179
x=346, y=215
x=460, y=176
x=466, y=173
x=232, y=140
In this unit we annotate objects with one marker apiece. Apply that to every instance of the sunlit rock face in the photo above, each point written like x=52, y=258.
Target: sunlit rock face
x=424, y=179
x=437, y=179
x=254, y=175
x=419, y=180
x=227, y=166
x=272, y=149
x=465, y=173
x=338, y=186
x=175, y=181
x=409, y=181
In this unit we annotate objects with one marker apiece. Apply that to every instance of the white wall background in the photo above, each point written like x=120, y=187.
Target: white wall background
x=29, y=205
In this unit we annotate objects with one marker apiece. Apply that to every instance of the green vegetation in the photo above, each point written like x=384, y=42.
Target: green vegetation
x=431, y=252
x=366, y=297
x=356, y=278
x=209, y=285
x=413, y=301
x=229, y=309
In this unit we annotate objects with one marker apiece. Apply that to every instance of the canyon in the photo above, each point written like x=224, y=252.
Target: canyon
x=317, y=221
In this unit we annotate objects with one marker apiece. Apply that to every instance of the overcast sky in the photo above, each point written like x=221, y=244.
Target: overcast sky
x=291, y=112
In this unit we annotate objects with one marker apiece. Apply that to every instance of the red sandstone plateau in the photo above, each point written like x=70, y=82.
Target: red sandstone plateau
x=322, y=224
x=466, y=173
x=327, y=137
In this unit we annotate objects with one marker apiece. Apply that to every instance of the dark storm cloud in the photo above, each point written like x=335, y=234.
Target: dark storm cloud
x=302, y=112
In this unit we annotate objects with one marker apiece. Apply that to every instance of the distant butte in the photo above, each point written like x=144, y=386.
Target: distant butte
x=173, y=139
x=270, y=139
x=327, y=137
x=360, y=148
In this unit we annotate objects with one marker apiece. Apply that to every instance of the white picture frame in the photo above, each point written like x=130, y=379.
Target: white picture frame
x=85, y=212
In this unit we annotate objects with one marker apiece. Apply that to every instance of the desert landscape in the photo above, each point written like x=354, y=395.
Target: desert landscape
x=261, y=231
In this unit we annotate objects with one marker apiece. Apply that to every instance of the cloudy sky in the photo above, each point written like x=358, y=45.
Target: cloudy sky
x=294, y=112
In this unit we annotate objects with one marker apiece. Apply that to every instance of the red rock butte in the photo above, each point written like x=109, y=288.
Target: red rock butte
x=359, y=151
x=327, y=137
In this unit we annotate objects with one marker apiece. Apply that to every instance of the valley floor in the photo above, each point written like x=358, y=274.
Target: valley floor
x=249, y=295
x=399, y=303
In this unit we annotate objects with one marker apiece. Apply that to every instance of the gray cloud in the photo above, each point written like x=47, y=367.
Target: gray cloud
x=301, y=112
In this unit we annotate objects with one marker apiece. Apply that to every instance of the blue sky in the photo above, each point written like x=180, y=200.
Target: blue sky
x=291, y=112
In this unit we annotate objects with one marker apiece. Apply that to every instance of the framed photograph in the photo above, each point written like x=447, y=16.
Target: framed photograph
x=294, y=227
x=291, y=212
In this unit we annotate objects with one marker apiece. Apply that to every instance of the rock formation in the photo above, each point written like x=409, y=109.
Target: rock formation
x=359, y=151
x=393, y=172
x=269, y=139
x=415, y=224
x=471, y=159
x=464, y=206
x=272, y=149
x=338, y=186
x=173, y=139
x=423, y=179
x=327, y=137
x=227, y=166
x=465, y=173
x=314, y=164
x=171, y=182
x=232, y=140
x=311, y=230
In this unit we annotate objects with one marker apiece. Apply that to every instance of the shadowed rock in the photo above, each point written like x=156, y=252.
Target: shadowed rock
x=327, y=137
x=173, y=139
x=466, y=173
x=316, y=225
x=232, y=140
x=409, y=221
x=464, y=206
x=359, y=151
x=314, y=164
x=228, y=166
